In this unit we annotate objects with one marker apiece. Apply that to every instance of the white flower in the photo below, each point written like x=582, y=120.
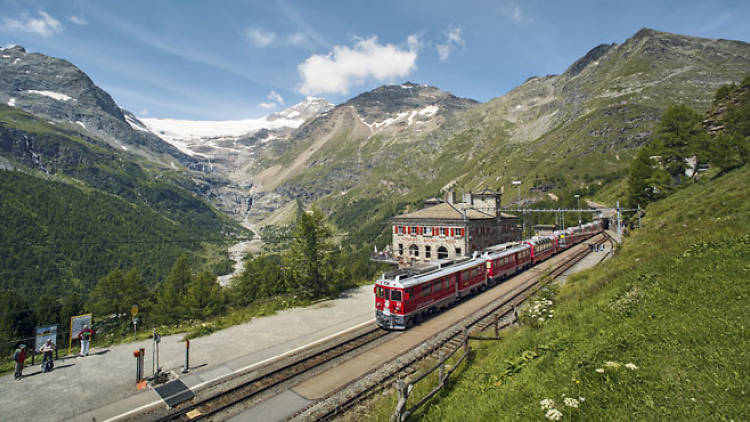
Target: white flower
x=553, y=415
x=631, y=365
x=581, y=399
x=599, y=370
x=611, y=364
x=541, y=320
x=547, y=404
x=571, y=402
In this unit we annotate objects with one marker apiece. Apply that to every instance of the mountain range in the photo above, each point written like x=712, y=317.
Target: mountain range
x=370, y=157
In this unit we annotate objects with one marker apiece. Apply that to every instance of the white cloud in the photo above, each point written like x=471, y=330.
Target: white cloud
x=259, y=37
x=514, y=13
x=297, y=38
x=344, y=66
x=454, y=41
x=78, y=20
x=267, y=105
x=45, y=25
x=275, y=97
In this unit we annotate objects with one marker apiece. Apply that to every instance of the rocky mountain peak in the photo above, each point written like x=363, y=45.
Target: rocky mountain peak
x=384, y=101
x=305, y=110
x=57, y=90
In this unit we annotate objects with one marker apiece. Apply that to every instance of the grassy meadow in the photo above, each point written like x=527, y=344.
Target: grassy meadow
x=659, y=332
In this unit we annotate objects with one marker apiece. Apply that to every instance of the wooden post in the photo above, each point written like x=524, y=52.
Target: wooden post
x=401, y=406
x=441, y=375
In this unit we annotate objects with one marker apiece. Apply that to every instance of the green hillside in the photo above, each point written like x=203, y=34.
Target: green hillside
x=74, y=206
x=573, y=133
x=659, y=332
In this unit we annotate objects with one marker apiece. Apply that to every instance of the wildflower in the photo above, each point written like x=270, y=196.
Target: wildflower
x=599, y=370
x=547, y=404
x=541, y=319
x=631, y=365
x=553, y=415
x=571, y=402
x=581, y=399
x=611, y=364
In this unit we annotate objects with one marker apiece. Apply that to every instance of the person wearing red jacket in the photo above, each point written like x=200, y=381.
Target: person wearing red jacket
x=19, y=356
x=85, y=337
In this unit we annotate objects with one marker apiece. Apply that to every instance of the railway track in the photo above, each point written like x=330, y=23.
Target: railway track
x=487, y=317
x=208, y=408
x=219, y=405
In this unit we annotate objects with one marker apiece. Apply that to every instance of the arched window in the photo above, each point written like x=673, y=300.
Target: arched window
x=442, y=252
x=413, y=250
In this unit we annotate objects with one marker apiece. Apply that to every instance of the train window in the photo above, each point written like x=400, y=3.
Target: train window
x=437, y=286
x=396, y=295
x=446, y=283
x=465, y=275
x=426, y=289
x=379, y=291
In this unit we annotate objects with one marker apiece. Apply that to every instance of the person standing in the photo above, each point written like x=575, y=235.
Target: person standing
x=19, y=356
x=85, y=337
x=47, y=348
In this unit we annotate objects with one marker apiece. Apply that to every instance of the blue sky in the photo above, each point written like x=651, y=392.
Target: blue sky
x=221, y=60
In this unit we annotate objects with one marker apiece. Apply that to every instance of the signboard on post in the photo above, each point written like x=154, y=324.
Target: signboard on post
x=76, y=326
x=43, y=334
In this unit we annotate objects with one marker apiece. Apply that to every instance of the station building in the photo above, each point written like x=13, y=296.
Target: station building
x=450, y=229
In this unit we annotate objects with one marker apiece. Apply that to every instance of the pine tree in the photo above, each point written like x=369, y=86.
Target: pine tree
x=306, y=256
x=677, y=138
x=204, y=297
x=107, y=296
x=168, y=306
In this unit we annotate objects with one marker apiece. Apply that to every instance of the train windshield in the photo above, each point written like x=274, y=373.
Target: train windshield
x=396, y=295
x=380, y=291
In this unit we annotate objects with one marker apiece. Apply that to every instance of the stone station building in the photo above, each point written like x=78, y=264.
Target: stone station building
x=447, y=229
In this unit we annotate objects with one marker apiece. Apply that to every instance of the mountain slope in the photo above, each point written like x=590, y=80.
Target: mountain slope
x=56, y=89
x=560, y=134
x=75, y=206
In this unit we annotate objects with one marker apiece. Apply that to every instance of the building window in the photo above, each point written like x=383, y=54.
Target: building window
x=414, y=250
x=458, y=251
x=401, y=249
x=444, y=231
x=459, y=232
x=442, y=252
x=427, y=231
x=402, y=229
x=413, y=230
x=427, y=252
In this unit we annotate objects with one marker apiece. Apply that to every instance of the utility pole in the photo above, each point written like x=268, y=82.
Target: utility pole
x=523, y=214
x=578, y=198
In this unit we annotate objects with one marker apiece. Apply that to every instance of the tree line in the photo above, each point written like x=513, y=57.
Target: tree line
x=685, y=142
x=312, y=267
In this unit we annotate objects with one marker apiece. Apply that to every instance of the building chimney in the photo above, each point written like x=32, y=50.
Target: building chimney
x=467, y=198
x=450, y=196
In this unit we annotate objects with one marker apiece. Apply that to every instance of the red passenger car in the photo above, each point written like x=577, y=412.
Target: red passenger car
x=542, y=247
x=503, y=263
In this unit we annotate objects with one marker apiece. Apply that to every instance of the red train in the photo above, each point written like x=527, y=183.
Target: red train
x=403, y=297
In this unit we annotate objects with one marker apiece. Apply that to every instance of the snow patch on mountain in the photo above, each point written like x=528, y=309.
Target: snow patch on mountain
x=12, y=102
x=51, y=94
x=180, y=130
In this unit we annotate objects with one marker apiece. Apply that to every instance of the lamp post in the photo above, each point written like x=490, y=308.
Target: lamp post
x=578, y=198
x=523, y=214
